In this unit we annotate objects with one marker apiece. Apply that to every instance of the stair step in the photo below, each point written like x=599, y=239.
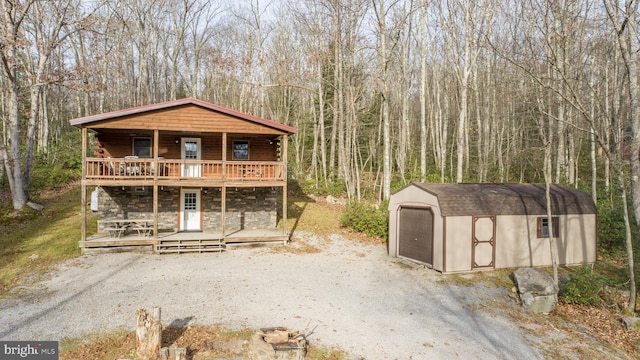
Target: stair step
x=184, y=246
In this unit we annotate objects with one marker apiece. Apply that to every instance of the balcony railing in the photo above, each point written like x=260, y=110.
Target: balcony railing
x=162, y=169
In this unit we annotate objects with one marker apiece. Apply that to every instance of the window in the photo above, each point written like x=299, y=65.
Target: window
x=142, y=147
x=543, y=227
x=190, y=201
x=241, y=150
x=191, y=150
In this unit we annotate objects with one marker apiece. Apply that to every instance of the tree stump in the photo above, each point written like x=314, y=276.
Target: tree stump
x=148, y=333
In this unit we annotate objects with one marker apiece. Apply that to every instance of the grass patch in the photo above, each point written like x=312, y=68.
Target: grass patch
x=307, y=215
x=201, y=342
x=113, y=345
x=500, y=278
x=33, y=241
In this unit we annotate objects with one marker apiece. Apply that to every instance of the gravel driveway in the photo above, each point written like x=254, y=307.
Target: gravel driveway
x=357, y=297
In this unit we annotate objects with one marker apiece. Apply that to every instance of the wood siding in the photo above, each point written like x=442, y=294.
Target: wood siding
x=119, y=145
x=187, y=118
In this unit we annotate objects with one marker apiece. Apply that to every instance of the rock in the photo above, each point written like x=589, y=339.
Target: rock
x=631, y=322
x=277, y=344
x=537, y=290
x=173, y=353
x=35, y=206
x=335, y=201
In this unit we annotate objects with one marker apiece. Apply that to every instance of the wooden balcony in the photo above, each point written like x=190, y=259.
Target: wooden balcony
x=132, y=171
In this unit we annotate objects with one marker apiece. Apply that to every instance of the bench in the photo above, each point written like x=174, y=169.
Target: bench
x=143, y=229
x=116, y=232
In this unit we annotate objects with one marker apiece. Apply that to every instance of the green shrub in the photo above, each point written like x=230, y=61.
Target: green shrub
x=47, y=177
x=583, y=287
x=368, y=219
x=611, y=231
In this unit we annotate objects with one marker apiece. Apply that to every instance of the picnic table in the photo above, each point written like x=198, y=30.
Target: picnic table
x=118, y=227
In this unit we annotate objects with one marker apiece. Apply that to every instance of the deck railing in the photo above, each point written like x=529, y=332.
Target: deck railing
x=163, y=169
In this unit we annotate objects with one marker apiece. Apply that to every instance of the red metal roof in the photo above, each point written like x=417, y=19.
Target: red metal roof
x=80, y=122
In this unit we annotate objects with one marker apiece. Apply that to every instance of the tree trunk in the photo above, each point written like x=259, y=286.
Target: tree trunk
x=547, y=182
x=627, y=42
x=423, y=94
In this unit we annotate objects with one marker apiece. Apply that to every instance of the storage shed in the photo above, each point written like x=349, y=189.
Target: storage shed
x=469, y=227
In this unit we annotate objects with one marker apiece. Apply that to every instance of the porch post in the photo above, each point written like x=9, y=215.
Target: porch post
x=285, y=142
x=224, y=156
x=223, y=207
x=83, y=208
x=155, y=210
x=223, y=197
x=156, y=168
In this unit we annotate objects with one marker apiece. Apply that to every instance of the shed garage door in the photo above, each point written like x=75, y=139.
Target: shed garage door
x=415, y=234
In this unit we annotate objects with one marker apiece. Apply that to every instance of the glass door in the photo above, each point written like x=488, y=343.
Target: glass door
x=190, y=210
x=191, y=153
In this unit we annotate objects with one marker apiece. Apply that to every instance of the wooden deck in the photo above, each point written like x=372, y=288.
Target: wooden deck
x=189, y=241
x=120, y=169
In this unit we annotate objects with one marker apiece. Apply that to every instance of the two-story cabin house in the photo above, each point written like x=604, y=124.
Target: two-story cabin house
x=183, y=175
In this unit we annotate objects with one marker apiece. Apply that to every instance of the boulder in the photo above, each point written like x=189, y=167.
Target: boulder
x=631, y=322
x=35, y=206
x=277, y=343
x=335, y=201
x=537, y=290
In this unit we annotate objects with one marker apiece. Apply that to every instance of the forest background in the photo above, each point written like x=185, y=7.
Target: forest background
x=382, y=92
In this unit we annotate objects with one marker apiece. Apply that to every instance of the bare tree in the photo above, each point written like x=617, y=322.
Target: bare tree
x=625, y=22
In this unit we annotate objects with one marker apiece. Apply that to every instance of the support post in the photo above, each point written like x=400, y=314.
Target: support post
x=224, y=156
x=156, y=168
x=223, y=208
x=83, y=208
x=223, y=191
x=284, y=147
x=155, y=210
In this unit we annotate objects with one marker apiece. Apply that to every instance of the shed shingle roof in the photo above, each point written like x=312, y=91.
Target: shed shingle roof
x=507, y=199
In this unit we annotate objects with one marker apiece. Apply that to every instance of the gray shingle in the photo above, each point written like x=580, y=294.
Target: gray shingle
x=507, y=199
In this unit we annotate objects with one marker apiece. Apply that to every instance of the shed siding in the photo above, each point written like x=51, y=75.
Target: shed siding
x=459, y=235
x=519, y=245
x=415, y=197
x=516, y=240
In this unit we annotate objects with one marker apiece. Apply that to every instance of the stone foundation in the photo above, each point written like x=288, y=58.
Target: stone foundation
x=247, y=208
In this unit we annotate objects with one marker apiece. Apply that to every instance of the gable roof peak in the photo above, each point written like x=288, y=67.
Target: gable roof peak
x=82, y=121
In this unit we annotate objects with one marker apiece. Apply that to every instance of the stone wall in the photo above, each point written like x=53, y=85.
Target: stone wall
x=251, y=209
x=247, y=208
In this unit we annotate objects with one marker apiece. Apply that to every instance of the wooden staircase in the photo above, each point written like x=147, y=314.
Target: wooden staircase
x=191, y=245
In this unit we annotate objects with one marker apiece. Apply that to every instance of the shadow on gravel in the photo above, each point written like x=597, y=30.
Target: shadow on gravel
x=466, y=318
x=74, y=295
x=473, y=322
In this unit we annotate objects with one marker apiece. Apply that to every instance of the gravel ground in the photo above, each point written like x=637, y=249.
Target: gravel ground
x=354, y=295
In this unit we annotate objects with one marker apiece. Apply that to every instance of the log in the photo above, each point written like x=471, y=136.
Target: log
x=148, y=333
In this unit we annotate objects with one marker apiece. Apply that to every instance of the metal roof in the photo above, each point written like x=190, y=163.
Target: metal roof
x=81, y=122
x=507, y=199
